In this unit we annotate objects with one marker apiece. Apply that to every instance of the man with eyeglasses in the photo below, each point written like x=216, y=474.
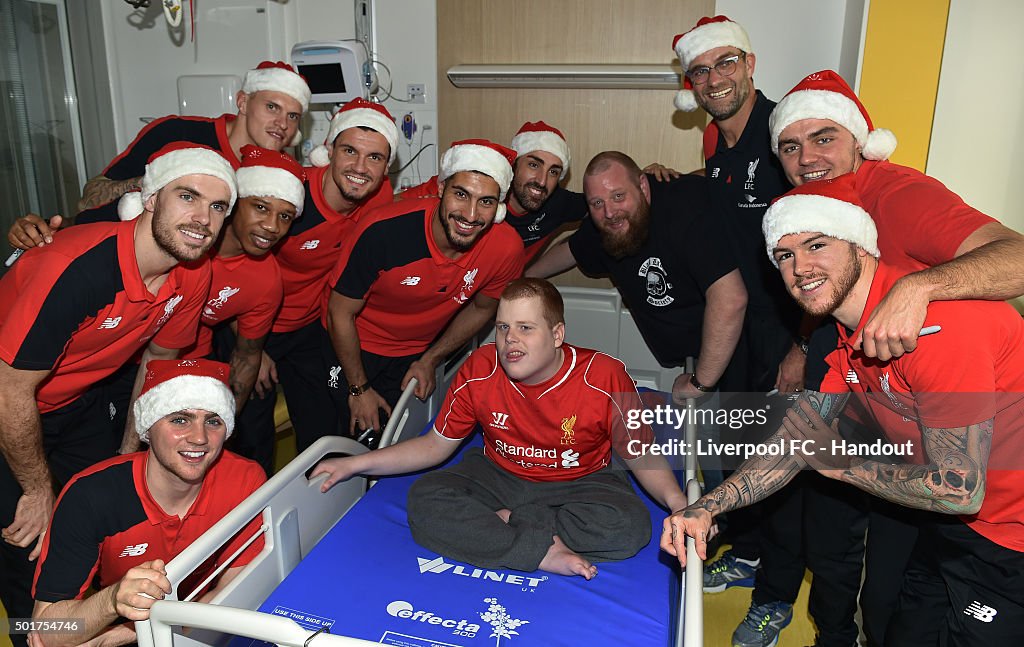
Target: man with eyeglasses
x=744, y=177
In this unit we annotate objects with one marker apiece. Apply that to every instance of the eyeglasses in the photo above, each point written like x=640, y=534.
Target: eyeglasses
x=724, y=67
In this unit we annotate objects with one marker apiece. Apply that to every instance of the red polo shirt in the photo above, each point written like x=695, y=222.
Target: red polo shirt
x=244, y=288
x=559, y=430
x=969, y=372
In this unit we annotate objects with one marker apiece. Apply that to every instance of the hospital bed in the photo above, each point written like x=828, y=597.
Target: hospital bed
x=341, y=569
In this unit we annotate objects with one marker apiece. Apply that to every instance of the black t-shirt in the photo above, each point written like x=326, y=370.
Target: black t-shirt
x=535, y=227
x=742, y=182
x=665, y=282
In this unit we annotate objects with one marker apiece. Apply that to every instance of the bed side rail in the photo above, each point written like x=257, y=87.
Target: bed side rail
x=296, y=515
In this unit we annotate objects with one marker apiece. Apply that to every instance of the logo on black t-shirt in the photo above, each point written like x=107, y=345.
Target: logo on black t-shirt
x=657, y=282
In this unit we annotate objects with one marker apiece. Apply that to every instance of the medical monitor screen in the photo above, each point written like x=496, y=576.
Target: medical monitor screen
x=323, y=78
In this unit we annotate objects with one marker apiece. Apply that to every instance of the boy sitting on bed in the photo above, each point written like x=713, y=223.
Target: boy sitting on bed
x=542, y=493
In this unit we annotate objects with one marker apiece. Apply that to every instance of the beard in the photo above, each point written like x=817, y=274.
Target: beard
x=527, y=200
x=458, y=243
x=741, y=90
x=628, y=243
x=841, y=287
x=164, y=233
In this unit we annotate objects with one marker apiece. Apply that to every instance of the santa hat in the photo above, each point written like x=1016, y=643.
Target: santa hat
x=708, y=34
x=171, y=162
x=830, y=207
x=267, y=173
x=277, y=77
x=482, y=156
x=825, y=95
x=538, y=136
x=177, y=384
x=355, y=113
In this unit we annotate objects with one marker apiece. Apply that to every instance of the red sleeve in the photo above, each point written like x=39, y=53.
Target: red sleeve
x=426, y=190
x=258, y=320
x=917, y=215
x=180, y=330
x=456, y=418
x=510, y=260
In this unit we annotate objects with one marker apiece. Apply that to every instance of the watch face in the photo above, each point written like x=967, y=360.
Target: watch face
x=355, y=390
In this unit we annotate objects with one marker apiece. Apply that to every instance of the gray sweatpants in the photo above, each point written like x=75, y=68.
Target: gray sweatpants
x=452, y=512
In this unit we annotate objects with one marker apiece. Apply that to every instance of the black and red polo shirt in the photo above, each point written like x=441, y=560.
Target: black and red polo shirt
x=411, y=289
x=106, y=522
x=310, y=250
x=79, y=309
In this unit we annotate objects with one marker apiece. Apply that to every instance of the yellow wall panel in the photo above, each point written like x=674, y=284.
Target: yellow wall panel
x=900, y=72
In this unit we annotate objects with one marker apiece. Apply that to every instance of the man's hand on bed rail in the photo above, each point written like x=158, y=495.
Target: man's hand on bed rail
x=135, y=593
x=424, y=372
x=694, y=521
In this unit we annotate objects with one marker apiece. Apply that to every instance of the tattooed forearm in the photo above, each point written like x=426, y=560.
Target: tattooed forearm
x=101, y=190
x=245, y=366
x=953, y=482
x=763, y=475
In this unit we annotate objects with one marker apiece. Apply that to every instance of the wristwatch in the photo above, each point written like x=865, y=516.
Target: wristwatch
x=355, y=389
x=803, y=344
x=697, y=385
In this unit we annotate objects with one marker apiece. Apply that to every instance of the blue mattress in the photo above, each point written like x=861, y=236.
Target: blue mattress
x=368, y=579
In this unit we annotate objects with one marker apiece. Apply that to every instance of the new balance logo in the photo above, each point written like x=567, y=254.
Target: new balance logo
x=411, y=280
x=500, y=419
x=134, y=551
x=310, y=244
x=110, y=322
x=851, y=377
x=980, y=611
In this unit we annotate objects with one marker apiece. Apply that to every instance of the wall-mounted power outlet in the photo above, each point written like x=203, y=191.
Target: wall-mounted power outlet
x=417, y=93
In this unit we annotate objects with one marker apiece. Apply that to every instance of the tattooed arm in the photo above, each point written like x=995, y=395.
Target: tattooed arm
x=101, y=190
x=245, y=366
x=756, y=479
x=952, y=483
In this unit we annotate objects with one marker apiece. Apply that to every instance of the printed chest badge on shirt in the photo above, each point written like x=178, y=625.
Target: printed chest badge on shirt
x=467, y=285
x=657, y=282
x=213, y=305
x=751, y=200
x=168, y=311
x=535, y=226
